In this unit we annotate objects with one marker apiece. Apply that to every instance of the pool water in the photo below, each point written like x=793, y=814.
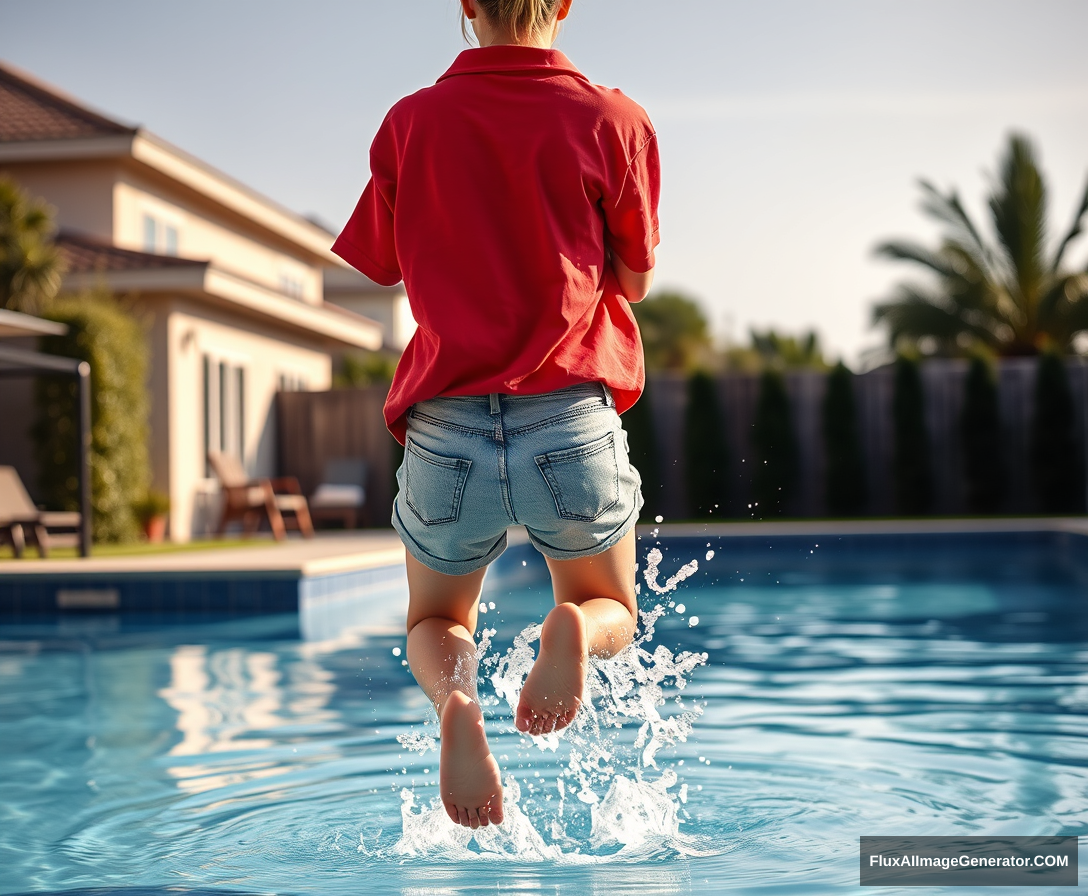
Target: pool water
x=786, y=697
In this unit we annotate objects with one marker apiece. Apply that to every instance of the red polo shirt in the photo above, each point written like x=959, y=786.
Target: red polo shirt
x=493, y=195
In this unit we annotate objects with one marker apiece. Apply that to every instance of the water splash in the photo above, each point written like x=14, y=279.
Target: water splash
x=608, y=764
x=653, y=561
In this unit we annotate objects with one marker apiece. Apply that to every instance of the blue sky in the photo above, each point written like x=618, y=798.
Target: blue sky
x=792, y=132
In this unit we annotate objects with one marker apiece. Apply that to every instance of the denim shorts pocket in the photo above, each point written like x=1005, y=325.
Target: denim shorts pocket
x=433, y=484
x=584, y=481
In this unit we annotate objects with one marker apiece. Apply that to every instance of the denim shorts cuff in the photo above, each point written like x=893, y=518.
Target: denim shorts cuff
x=449, y=567
x=556, y=554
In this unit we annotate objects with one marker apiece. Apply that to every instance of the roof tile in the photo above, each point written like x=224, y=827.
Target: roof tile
x=85, y=255
x=32, y=111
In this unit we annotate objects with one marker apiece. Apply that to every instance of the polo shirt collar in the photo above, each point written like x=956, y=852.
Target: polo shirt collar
x=509, y=59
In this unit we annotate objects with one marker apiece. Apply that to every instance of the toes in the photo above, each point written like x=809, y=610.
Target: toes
x=481, y=814
x=494, y=814
x=524, y=720
x=473, y=819
x=451, y=811
x=462, y=816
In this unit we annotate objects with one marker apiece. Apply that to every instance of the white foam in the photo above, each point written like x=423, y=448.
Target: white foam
x=611, y=774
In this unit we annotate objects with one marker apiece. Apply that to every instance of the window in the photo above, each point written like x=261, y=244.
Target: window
x=170, y=242
x=291, y=286
x=293, y=382
x=151, y=234
x=207, y=414
x=224, y=409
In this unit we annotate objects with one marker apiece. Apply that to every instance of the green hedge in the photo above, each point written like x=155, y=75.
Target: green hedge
x=706, y=457
x=980, y=434
x=638, y=421
x=775, y=477
x=845, y=472
x=1055, y=460
x=104, y=335
x=911, y=465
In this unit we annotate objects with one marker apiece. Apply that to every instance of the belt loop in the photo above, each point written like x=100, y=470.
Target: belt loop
x=494, y=396
x=608, y=399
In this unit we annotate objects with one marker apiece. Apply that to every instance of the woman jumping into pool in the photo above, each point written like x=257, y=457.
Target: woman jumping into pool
x=518, y=202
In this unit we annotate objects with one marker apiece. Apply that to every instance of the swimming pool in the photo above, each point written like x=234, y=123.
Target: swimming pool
x=794, y=694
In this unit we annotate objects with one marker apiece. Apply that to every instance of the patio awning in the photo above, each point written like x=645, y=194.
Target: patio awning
x=19, y=362
x=14, y=323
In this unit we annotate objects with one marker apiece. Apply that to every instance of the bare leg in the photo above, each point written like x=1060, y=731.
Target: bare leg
x=442, y=655
x=595, y=614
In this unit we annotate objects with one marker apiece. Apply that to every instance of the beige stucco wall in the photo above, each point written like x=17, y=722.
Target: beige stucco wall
x=193, y=331
x=205, y=235
x=391, y=310
x=81, y=192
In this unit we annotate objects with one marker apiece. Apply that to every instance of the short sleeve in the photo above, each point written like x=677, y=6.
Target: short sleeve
x=631, y=213
x=367, y=241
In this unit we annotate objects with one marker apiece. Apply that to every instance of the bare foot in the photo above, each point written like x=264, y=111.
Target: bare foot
x=468, y=775
x=553, y=691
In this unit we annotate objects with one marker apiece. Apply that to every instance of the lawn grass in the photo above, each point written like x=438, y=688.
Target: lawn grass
x=142, y=549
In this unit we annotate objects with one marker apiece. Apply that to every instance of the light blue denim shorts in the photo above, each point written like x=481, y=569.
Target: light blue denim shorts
x=554, y=463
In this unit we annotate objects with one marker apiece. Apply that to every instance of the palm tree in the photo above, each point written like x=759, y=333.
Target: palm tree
x=1008, y=297
x=30, y=266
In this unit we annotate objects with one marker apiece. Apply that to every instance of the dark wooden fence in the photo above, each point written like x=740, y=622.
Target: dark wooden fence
x=315, y=427
x=943, y=383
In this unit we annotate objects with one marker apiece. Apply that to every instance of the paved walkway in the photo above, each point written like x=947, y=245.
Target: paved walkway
x=328, y=553
x=334, y=552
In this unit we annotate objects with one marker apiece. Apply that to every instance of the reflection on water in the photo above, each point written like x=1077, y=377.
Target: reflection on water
x=906, y=696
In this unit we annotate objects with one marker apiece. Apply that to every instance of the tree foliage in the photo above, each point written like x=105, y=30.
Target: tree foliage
x=30, y=266
x=845, y=483
x=675, y=334
x=1055, y=461
x=706, y=456
x=365, y=369
x=775, y=476
x=1010, y=295
x=784, y=352
x=104, y=335
x=980, y=434
x=912, y=467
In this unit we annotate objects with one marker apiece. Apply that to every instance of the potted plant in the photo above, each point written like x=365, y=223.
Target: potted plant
x=152, y=511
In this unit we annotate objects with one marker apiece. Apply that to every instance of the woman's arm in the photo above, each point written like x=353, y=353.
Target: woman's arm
x=635, y=286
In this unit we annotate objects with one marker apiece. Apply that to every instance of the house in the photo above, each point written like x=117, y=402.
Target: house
x=231, y=284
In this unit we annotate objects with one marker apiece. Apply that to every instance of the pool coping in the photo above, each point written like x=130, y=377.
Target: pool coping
x=950, y=526
x=340, y=574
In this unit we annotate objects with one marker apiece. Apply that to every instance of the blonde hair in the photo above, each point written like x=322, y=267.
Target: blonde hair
x=519, y=17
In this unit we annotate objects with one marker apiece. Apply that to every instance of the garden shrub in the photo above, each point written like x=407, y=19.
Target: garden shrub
x=1055, y=462
x=638, y=422
x=706, y=457
x=980, y=434
x=775, y=477
x=113, y=343
x=845, y=471
x=912, y=469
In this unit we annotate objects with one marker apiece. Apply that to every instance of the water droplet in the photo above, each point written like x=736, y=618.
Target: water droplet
x=693, y=621
x=709, y=555
x=680, y=608
x=491, y=604
x=659, y=519
x=396, y=651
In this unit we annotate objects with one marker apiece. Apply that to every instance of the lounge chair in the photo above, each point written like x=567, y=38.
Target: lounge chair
x=21, y=523
x=279, y=500
x=342, y=492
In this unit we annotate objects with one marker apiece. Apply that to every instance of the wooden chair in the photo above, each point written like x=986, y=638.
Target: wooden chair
x=342, y=492
x=22, y=523
x=279, y=500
